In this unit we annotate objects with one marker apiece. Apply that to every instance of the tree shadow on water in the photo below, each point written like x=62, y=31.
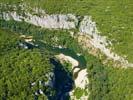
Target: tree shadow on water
x=63, y=81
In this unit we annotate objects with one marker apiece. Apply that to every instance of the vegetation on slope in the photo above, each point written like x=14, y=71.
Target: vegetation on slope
x=20, y=68
x=23, y=70
x=108, y=83
x=57, y=37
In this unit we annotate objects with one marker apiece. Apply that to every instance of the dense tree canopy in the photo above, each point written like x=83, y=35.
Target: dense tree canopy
x=20, y=68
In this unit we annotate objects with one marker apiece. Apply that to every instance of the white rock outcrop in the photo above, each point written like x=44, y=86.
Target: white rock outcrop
x=88, y=27
x=55, y=21
x=81, y=80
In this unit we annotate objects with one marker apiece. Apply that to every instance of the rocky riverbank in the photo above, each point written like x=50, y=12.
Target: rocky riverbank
x=81, y=80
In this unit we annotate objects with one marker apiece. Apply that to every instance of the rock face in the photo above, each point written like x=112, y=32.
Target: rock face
x=38, y=17
x=88, y=27
x=56, y=21
x=51, y=79
x=81, y=81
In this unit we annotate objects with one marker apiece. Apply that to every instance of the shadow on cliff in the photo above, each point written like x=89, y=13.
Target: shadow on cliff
x=63, y=81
